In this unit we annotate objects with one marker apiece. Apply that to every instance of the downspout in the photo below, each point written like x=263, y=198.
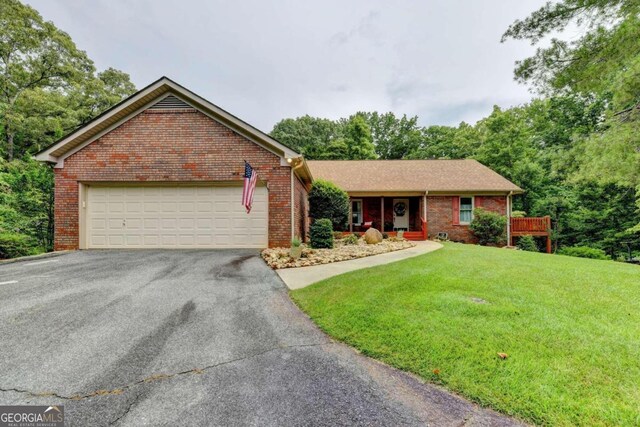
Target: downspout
x=509, y=202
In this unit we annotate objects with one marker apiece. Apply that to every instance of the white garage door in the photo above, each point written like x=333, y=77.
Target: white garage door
x=175, y=217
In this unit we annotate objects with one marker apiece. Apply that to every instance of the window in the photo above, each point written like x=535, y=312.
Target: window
x=356, y=212
x=466, y=210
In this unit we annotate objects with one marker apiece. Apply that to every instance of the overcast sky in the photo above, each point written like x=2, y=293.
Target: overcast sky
x=267, y=60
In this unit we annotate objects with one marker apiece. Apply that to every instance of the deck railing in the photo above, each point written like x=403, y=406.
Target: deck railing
x=531, y=225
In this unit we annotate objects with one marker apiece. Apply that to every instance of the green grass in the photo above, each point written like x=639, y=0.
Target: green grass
x=570, y=326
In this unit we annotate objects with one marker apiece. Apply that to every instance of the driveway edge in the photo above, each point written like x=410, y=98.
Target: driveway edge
x=301, y=277
x=33, y=257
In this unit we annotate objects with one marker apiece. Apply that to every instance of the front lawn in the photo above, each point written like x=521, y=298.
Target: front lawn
x=570, y=327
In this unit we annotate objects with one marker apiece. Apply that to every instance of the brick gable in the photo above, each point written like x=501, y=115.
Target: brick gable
x=170, y=146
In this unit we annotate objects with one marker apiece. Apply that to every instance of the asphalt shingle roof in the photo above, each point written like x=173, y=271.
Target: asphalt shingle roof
x=410, y=175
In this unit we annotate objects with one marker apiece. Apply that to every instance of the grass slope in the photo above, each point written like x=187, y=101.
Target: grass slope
x=570, y=326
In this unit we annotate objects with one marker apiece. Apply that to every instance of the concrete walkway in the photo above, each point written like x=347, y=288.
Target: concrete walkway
x=296, y=278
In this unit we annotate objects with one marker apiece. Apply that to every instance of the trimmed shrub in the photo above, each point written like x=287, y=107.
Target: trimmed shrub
x=488, y=227
x=584, y=252
x=518, y=214
x=14, y=245
x=321, y=233
x=351, y=239
x=296, y=242
x=527, y=243
x=326, y=200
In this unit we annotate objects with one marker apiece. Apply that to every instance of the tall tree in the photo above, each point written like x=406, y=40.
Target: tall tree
x=356, y=136
x=603, y=63
x=309, y=135
x=393, y=137
x=47, y=88
x=34, y=55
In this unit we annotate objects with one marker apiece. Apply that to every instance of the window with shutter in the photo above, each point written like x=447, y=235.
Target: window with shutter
x=466, y=210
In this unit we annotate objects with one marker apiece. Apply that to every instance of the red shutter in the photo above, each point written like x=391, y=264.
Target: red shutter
x=478, y=201
x=456, y=210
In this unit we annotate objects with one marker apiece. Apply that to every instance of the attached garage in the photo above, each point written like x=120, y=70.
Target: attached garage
x=174, y=217
x=164, y=169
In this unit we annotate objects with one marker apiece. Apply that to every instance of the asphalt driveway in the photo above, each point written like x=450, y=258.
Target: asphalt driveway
x=191, y=338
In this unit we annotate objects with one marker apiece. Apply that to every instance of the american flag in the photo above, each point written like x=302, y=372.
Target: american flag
x=250, y=179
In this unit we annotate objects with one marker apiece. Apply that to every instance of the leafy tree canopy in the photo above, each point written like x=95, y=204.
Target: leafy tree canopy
x=47, y=85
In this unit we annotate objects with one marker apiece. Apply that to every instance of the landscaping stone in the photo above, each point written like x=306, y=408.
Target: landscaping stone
x=372, y=236
x=280, y=257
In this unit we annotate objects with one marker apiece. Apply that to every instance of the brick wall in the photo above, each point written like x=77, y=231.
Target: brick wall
x=440, y=216
x=166, y=146
x=300, y=209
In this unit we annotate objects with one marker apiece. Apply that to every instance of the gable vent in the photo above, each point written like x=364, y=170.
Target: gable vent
x=170, y=103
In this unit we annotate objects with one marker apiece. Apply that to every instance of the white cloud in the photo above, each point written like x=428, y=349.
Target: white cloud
x=264, y=61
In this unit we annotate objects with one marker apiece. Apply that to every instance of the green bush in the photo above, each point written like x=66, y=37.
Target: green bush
x=584, y=252
x=527, y=243
x=488, y=227
x=14, y=245
x=26, y=201
x=321, y=233
x=351, y=239
x=296, y=242
x=326, y=200
x=518, y=214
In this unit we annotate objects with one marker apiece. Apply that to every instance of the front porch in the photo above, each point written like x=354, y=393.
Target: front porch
x=390, y=215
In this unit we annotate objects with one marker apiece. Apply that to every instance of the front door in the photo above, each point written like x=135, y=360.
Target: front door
x=401, y=214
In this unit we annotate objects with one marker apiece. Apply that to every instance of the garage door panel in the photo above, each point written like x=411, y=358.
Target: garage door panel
x=169, y=207
x=115, y=240
x=204, y=206
x=151, y=206
x=182, y=217
x=186, y=207
x=115, y=207
x=99, y=240
x=186, y=223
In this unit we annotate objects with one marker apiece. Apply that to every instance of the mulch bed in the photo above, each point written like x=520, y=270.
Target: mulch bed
x=279, y=257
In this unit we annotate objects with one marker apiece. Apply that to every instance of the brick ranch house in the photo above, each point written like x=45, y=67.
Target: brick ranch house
x=164, y=169
x=423, y=198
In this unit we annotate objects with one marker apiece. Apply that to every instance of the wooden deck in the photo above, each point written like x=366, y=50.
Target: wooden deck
x=532, y=226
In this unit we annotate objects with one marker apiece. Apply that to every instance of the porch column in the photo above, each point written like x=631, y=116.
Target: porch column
x=425, y=233
x=424, y=207
x=382, y=214
x=350, y=215
x=509, y=237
